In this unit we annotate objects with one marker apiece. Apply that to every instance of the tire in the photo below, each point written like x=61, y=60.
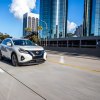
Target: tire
x=14, y=60
x=0, y=55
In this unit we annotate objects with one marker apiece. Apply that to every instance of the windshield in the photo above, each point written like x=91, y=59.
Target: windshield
x=24, y=42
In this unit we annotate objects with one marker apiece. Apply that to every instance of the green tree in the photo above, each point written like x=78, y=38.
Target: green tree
x=35, y=38
x=28, y=30
x=40, y=28
x=3, y=36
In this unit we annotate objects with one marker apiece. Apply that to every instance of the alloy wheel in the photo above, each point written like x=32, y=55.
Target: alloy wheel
x=14, y=60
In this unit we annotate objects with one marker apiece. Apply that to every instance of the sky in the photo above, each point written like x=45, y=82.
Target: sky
x=11, y=12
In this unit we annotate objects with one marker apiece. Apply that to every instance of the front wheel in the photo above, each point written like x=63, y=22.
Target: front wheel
x=14, y=60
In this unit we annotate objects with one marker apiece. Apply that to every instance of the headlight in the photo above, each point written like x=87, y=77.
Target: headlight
x=44, y=51
x=22, y=51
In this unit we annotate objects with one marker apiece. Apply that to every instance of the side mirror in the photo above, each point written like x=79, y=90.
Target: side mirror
x=9, y=44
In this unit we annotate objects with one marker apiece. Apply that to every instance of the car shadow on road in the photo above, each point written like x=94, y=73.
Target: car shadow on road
x=7, y=61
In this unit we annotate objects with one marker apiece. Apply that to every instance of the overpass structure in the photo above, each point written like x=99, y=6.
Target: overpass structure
x=79, y=42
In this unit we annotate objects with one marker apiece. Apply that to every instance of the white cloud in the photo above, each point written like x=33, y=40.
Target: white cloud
x=20, y=7
x=71, y=26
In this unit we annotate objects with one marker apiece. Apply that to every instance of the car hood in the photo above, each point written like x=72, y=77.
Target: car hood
x=31, y=48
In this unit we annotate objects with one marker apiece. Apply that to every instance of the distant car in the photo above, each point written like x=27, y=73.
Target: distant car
x=22, y=51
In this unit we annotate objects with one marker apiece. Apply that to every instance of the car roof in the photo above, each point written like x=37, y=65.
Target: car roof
x=16, y=38
x=19, y=39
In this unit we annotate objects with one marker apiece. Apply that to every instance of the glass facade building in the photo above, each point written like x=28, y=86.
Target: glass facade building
x=54, y=14
x=91, y=24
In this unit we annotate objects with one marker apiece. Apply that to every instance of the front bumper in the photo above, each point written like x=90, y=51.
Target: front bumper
x=35, y=61
x=29, y=58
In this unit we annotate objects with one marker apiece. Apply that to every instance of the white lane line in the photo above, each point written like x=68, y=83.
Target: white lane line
x=62, y=59
x=1, y=71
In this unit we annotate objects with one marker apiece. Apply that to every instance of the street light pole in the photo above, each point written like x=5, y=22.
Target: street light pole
x=46, y=31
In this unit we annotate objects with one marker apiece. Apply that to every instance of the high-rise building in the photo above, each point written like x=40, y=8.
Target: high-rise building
x=30, y=20
x=79, y=31
x=91, y=24
x=53, y=14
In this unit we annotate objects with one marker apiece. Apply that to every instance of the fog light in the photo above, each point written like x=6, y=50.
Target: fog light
x=22, y=58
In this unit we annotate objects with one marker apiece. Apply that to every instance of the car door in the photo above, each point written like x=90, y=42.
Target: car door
x=3, y=47
x=9, y=48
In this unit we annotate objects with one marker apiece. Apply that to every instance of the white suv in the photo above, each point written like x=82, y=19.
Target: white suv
x=22, y=51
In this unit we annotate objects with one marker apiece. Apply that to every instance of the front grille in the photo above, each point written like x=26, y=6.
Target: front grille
x=38, y=53
x=38, y=57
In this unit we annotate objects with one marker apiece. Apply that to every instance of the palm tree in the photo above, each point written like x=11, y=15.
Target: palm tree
x=28, y=30
x=33, y=36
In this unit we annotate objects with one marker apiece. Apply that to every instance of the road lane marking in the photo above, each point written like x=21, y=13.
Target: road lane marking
x=23, y=84
x=1, y=71
x=73, y=66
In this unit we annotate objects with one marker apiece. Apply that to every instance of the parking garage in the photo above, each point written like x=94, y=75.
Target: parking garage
x=79, y=42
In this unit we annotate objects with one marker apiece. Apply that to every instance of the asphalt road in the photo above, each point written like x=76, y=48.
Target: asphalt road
x=61, y=77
